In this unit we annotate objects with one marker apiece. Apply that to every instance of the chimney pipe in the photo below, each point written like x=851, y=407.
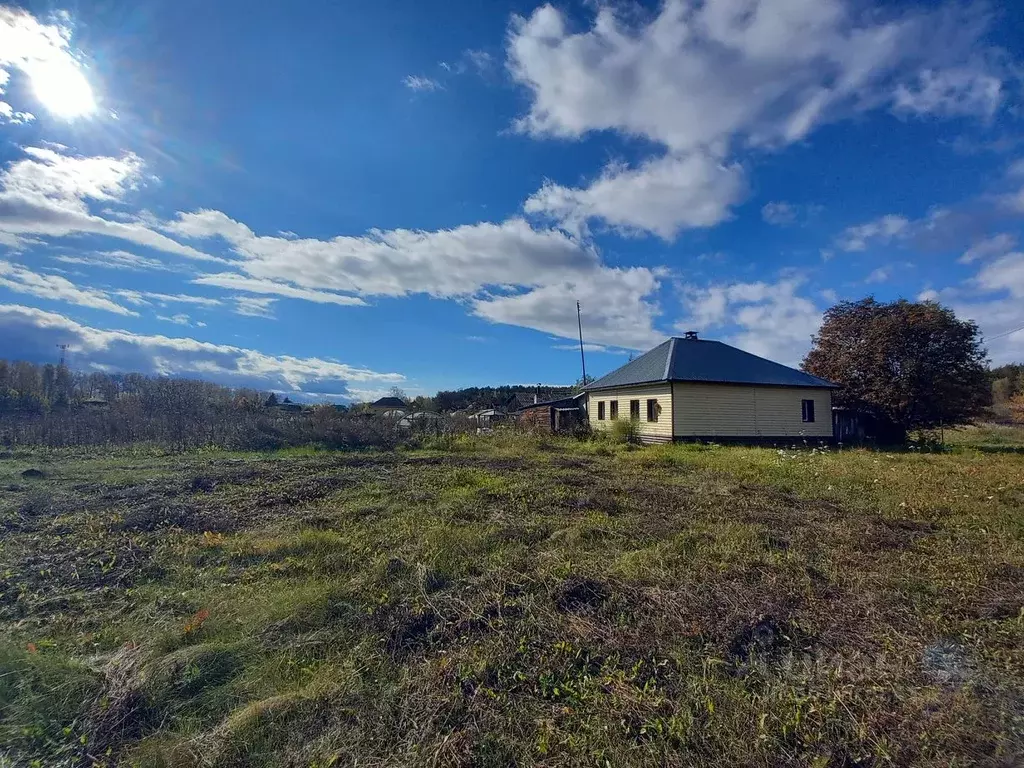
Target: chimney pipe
x=691, y=335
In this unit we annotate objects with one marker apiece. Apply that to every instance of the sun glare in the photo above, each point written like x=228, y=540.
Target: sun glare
x=62, y=89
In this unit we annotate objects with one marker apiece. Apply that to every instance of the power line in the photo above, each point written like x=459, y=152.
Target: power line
x=1006, y=333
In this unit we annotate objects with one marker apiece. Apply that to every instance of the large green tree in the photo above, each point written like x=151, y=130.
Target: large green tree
x=912, y=364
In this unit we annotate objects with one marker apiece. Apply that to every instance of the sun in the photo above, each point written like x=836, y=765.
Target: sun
x=62, y=89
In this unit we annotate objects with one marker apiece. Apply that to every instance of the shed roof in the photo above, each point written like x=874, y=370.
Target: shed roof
x=705, y=361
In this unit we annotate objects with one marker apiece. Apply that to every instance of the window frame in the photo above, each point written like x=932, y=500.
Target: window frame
x=600, y=410
x=807, y=410
x=634, y=409
x=613, y=410
x=652, y=410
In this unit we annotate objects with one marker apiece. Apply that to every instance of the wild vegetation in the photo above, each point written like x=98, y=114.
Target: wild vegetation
x=1008, y=393
x=512, y=600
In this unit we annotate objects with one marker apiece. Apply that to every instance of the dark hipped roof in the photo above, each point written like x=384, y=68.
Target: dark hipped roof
x=389, y=402
x=709, y=361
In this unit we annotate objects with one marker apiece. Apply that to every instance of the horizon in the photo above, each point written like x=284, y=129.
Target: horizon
x=328, y=203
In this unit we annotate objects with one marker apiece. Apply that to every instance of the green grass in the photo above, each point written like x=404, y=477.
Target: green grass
x=513, y=600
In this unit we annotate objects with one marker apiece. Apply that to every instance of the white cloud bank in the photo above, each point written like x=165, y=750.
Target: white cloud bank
x=56, y=288
x=509, y=272
x=663, y=196
x=705, y=79
x=31, y=334
x=48, y=194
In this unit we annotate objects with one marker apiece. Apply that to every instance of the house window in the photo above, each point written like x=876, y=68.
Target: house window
x=614, y=409
x=808, y=410
x=600, y=410
x=652, y=409
x=634, y=410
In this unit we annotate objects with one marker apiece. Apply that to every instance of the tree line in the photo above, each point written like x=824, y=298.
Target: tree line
x=29, y=388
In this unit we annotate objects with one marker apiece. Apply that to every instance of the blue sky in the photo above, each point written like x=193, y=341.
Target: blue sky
x=338, y=198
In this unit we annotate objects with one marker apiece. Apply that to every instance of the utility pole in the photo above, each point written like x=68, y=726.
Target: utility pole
x=583, y=359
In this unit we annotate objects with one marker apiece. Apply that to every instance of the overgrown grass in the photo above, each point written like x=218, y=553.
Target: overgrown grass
x=513, y=600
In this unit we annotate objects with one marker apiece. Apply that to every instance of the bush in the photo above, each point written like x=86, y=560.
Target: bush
x=626, y=431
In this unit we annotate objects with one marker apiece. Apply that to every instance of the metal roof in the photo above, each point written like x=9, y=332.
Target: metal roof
x=708, y=361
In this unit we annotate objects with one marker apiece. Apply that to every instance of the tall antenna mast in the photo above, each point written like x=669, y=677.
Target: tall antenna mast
x=63, y=351
x=579, y=322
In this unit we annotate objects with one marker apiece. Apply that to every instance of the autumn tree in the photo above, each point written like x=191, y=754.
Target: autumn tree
x=914, y=365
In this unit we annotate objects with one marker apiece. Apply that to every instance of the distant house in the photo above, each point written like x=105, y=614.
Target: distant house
x=386, y=404
x=694, y=389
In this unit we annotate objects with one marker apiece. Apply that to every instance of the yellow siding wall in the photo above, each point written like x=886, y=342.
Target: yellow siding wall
x=661, y=430
x=727, y=410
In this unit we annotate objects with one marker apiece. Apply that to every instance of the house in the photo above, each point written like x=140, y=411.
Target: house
x=554, y=415
x=389, y=404
x=696, y=389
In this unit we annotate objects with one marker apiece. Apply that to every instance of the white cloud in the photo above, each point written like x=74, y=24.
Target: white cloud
x=252, y=306
x=880, y=275
x=445, y=263
x=1003, y=274
x=705, y=79
x=28, y=334
x=994, y=299
x=254, y=285
x=663, y=196
x=617, y=309
x=510, y=272
x=481, y=61
x=419, y=83
x=882, y=231
x=700, y=75
x=179, y=319
x=768, y=319
x=780, y=213
x=996, y=245
x=950, y=93
x=147, y=298
x=116, y=260
x=56, y=288
x=590, y=348
x=46, y=194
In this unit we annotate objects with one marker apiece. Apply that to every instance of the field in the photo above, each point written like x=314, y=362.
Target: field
x=513, y=600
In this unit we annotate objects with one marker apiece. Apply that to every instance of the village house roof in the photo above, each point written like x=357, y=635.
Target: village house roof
x=701, y=360
x=390, y=402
